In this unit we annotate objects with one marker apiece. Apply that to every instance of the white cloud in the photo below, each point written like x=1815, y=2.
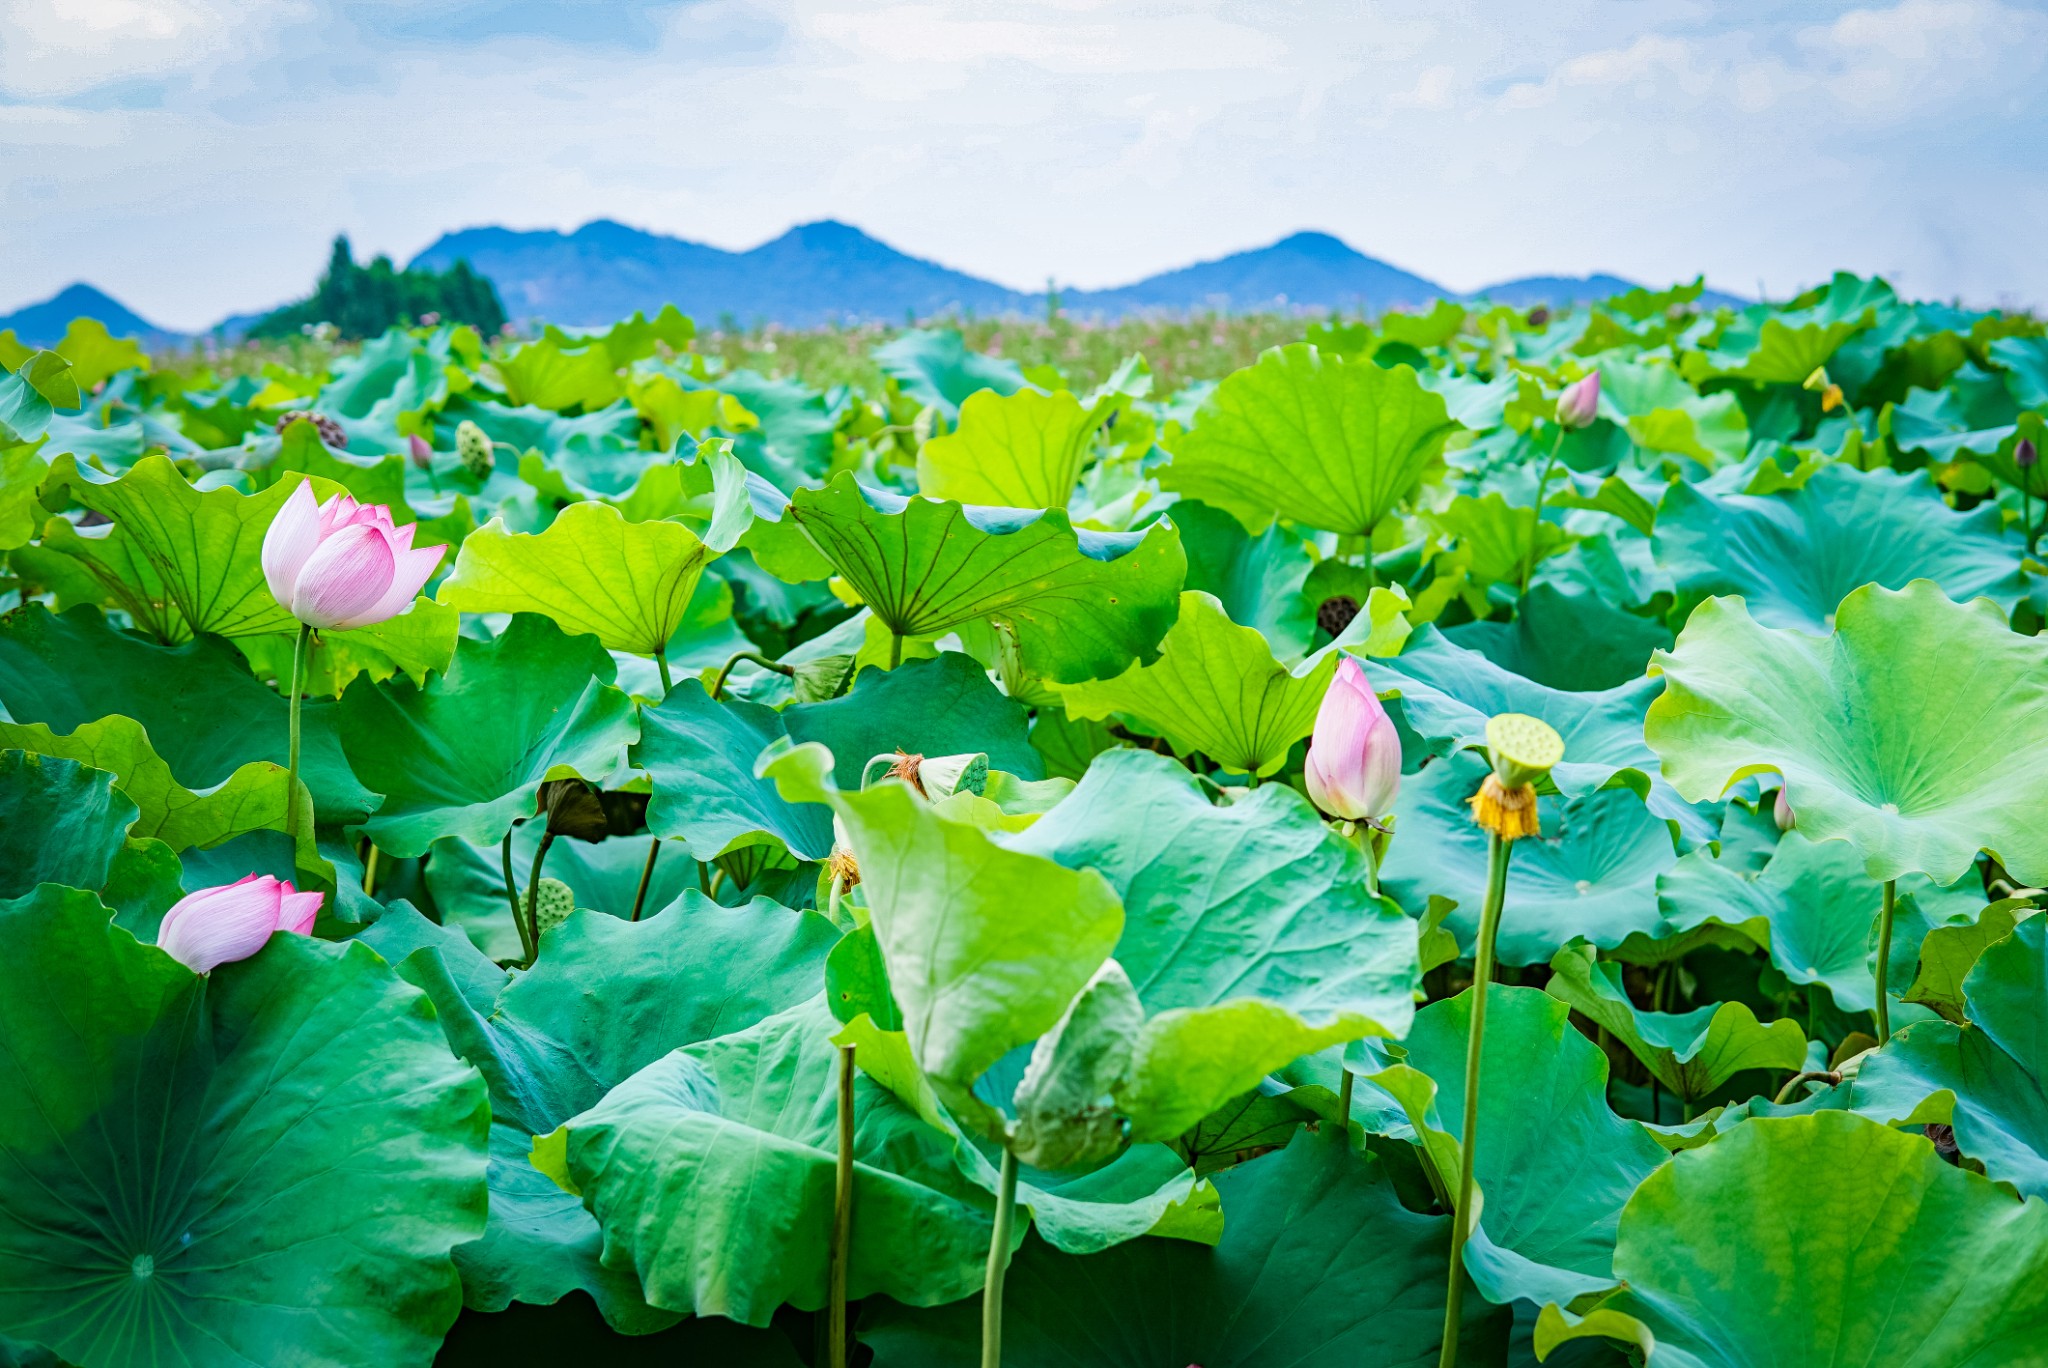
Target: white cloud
x=1093, y=140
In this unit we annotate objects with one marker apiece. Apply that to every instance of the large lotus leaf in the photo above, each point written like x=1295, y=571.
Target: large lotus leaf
x=1664, y=413
x=21, y=472
x=1248, y=933
x=1691, y=1053
x=974, y=978
x=466, y=755
x=626, y=583
x=2025, y=360
x=606, y=998
x=1554, y=1165
x=1319, y=1262
x=711, y=1173
x=1447, y=693
x=1592, y=873
x=941, y=706
x=1257, y=579
x=1910, y=730
x=418, y=642
x=1576, y=642
x=1022, y=450
x=1215, y=689
x=1823, y=1241
x=935, y=367
x=191, y=1163
x=1950, y=952
x=61, y=822
x=206, y=548
x=701, y=757
x=1081, y=605
x=1792, y=557
x=1988, y=1078
x=1491, y=540
x=1313, y=438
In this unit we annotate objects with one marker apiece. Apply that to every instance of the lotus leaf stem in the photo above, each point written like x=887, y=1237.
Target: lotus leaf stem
x=895, y=649
x=1497, y=850
x=1344, y=1104
x=718, y=681
x=291, y=794
x=661, y=664
x=646, y=878
x=842, y=1211
x=1827, y=1076
x=1884, y=959
x=998, y=1264
x=370, y=870
x=1536, y=513
x=547, y=838
x=526, y=948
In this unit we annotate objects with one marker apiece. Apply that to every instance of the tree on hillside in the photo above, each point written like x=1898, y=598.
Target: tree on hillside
x=362, y=301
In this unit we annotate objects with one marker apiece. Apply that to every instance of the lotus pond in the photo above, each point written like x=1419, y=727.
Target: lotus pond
x=1479, y=837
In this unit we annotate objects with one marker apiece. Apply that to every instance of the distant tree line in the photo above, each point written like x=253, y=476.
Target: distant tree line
x=362, y=301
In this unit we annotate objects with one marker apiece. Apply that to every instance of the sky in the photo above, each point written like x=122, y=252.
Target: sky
x=195, y=157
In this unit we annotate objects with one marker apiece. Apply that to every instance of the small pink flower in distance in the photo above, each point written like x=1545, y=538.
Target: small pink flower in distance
x=422, y=454
x=1354, y=758
x=342, y=564
x=1578, y=404
x=217, y=926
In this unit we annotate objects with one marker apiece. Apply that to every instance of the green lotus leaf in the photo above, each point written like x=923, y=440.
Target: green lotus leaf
x=1555, y=1165
x=1908, y=731
x=1793, y=557
x=1491, y=540
x=1216, y=689
x=1691, y=1053
x=1664, y=413
x=1949, y=953
x=2025, y=360
x=1593, y=873
x=701, y=757
x=1292, y=1282
x=1080, y=605
x=591, y=571
x=1786, y=355
x=941, y=706
x=21, y=474
x=1448, y=692
x=1243, y=964
x=199, y=1160
x=1988, y=1078
x=682, y=1161
x=1325, y=442
x=1822, y=1240
x=606, y=998
x=973, y=978
x=205, y=548
x=934, y=367
x=1257, y=579
x=468, y=882
x=418, y=642
x=1576, y=642
x=1021, y=450
x=61, y=822
x=466, y=755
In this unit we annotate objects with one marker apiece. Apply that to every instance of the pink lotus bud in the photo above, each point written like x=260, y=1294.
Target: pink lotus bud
x=217, y=926
x=1354, y=759
x=1781, y=809
x=342, y=564
x=1579, y=402
x=422, y=454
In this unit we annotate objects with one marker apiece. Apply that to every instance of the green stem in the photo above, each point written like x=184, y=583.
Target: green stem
x=895, y=649
x=661, y=664
x=718, y=682
x=291, y=796
x=1344, y=1104
x=646, y=877
x=370, y=870
x=1536, y=513
x=1497, y=851
x=1884, y=959
x=842, y=1210
x=998, y=1264
x=1785, y=1094
x=526, y=950
x=547, y=838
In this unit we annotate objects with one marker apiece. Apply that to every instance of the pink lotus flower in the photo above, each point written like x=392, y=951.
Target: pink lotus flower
x=1578, y=404
x=342, y=564
x=1781, y=809
x=217, y=926
x=1354, y=758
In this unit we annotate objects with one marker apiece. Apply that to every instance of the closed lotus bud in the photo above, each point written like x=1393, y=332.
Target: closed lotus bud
x=422, y=454
x=553, y=901
x=1354, y=758
x=2025, y=455
x=1524, y=749
x=1781, y=809
x=217, y=926
x=473, y=449
x=1578, y=404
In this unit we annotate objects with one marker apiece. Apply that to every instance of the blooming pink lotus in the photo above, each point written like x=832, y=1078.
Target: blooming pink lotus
x=217, y=926
x=342, y=564
x=1578, y=404
x=1354, y=758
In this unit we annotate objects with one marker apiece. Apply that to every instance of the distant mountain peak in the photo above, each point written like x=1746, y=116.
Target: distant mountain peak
x=43, y=324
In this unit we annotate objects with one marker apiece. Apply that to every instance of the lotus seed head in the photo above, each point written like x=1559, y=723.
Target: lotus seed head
x=1523, y=748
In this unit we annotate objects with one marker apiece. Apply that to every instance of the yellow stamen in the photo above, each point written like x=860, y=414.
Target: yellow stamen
x=1509, y=813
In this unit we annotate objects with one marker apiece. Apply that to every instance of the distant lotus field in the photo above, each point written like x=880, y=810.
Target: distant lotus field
x=1479, y=836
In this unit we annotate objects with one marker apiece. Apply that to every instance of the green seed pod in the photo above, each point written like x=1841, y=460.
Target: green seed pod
x=553, y=902
x=473, y=449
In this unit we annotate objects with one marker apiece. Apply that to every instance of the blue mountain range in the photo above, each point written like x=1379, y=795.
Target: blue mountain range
x=830, y=271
